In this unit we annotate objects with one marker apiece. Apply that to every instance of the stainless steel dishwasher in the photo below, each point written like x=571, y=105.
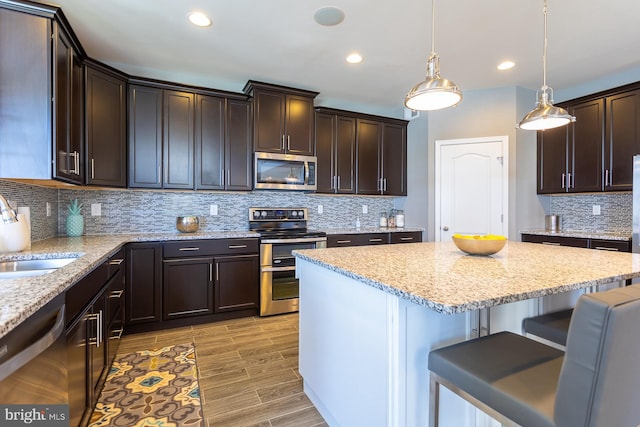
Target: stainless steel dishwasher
x=33, y=360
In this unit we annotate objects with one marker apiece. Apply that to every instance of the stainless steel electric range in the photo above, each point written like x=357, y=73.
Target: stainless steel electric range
x=281, y=232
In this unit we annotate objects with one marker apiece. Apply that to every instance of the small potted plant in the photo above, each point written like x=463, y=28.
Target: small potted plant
x=75, y=220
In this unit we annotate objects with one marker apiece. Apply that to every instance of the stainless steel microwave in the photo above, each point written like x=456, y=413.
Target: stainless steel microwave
x=274, y=171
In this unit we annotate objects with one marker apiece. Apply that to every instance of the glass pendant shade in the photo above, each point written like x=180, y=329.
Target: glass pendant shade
x=545, y=115
x=434, y=93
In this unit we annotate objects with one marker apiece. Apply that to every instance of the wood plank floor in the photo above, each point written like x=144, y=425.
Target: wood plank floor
x=248, y=370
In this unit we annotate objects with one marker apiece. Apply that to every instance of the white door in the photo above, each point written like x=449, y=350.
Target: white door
x=471, y=187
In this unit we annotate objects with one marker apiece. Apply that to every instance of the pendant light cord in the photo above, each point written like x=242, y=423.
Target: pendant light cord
x=433, y=27
x=544, y=49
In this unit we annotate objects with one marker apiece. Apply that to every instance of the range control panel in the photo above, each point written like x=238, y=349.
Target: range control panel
x=270, y=214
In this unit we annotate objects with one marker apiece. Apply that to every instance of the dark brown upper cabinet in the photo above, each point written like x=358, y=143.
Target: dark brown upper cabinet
x=68, y=95
x=394, y=159
x=106, y=126
x=161, y=138
x=283, y=120
x=42, y=79
x=622, y=139
x=336, y=151
x=594, y=153
x=368, y=146
x=223, y=144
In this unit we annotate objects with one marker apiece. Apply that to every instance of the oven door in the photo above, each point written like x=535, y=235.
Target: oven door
x=279, y=288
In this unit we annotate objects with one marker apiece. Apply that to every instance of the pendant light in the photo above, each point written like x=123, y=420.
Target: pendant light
x=434, y=93
x=545, y=115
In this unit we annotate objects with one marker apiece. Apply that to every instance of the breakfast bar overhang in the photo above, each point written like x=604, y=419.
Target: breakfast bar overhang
x=370, y=315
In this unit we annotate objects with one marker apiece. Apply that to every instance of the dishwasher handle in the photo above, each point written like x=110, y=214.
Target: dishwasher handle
x=34, y=350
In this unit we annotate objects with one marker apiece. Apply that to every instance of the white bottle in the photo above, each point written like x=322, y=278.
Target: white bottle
x=357, y=222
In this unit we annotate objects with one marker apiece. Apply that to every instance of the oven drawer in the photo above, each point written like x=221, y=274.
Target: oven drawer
x=195, y=248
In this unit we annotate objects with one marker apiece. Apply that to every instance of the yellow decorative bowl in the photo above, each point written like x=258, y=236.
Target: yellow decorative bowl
x=479, y=245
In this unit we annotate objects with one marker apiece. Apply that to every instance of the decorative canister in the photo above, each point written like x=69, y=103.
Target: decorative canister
x=552, y=223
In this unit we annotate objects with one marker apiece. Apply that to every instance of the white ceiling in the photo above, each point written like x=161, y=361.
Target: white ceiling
x=278, y=41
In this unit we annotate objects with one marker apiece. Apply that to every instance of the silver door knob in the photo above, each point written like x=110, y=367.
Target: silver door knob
x=445, y=228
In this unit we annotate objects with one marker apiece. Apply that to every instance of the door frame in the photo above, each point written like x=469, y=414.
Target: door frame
x=504, y=140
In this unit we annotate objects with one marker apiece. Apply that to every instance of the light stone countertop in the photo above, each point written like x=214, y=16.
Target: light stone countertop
x=446, y=280
x=622, y=235
x=21, y=297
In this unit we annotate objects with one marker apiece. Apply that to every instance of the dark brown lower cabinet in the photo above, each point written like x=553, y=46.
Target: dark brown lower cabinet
x=579, y=242
x=236, y=285
x=144, y=283
x=187, y=287
x=184, y=282
x=94, y=325
x=366, y=239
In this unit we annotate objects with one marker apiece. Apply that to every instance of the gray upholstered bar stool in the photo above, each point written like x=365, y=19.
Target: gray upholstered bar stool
x=552, y=326
x=519, y=381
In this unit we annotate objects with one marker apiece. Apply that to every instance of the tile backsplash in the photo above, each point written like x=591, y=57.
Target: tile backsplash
x=577, y=211
x=152, y=211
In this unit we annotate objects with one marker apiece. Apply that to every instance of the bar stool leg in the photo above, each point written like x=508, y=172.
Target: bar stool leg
x=434, y=401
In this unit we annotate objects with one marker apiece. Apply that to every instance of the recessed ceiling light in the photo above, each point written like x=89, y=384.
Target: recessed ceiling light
x=328, y=16
x=506, y=65
x=354, y=58
x=199, y=19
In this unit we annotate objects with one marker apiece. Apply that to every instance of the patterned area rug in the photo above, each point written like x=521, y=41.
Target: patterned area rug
x=151, y=388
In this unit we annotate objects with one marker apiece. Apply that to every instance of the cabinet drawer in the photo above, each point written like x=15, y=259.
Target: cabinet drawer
x=116, y=263
x=611, y=245
x=406, y=237
x=196, y=248
x=81, y=293
x=341, y=240
x=575, y=242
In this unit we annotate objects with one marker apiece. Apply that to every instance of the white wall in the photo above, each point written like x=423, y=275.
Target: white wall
x=490, y=112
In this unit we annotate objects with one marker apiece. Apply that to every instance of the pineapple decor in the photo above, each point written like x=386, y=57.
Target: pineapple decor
x=75, y=220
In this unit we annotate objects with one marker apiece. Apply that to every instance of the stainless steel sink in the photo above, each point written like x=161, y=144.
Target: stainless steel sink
x=31, y=267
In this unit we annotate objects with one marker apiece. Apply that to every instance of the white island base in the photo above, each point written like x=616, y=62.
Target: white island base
x=363, y=352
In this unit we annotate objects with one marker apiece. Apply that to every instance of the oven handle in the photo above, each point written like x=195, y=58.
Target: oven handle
x=264, y=269
x=298, y=240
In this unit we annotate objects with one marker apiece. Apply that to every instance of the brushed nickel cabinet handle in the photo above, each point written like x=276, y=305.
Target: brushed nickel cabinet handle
x=189, y=249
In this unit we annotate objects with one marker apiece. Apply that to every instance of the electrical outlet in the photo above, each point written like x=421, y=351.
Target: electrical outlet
x=48, y=208
x=96, y=209
x=365, y=209
x=320, y=209
x=596, y=209
x=213, y=210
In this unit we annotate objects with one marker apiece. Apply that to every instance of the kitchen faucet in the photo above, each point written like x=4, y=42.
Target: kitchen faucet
x=7, y=214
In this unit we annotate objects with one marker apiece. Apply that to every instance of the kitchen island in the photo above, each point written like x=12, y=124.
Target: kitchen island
x=370, y=315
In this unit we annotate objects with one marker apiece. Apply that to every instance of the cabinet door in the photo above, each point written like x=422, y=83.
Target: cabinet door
x=394, y=160
x=299, y=125
x=325, y=135
x=552, y=160
x=238, y=147
x=187, y=287
x=106, y=124
x=585, y=156
x=369, y=137
x=622, y=140
x=210, y=141
x=97, y=348
x=236, y=282
x=144, y=283
x=67, y=74
x=77, y=372
x=269, y=117
x=145, y=137
x=25, y=79
x=345, y=159
x=178, y=143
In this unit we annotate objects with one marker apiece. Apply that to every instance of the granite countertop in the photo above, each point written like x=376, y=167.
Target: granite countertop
x=620, y=235
x=22, y=297
x=444, y=279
